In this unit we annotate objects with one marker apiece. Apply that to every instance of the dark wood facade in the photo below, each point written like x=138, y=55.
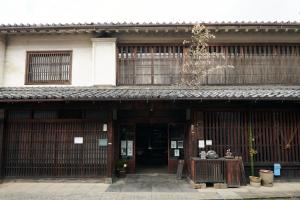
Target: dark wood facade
x=41, y=144
x=275, y=132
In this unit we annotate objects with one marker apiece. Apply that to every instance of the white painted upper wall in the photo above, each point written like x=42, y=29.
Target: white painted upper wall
x=104, y=61
x=2, y=57
x=18, y=45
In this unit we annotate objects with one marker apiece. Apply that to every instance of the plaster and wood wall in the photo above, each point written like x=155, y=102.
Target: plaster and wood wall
x=94, y=59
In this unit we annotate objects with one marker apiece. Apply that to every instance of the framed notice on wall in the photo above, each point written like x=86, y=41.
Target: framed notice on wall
x=123, y=148
x=102, y=142
x=180, y=144
x=201, y=144
x=173, y=144
x=129, y=148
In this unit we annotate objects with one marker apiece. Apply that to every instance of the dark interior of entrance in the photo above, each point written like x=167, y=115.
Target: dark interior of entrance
x=152, y=147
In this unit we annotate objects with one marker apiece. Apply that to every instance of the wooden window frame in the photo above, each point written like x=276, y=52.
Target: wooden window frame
x=48, y=82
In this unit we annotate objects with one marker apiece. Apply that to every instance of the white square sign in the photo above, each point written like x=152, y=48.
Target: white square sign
x=78, y=140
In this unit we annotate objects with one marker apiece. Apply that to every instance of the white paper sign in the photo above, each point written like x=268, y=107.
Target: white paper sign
x=176, y=152
x=129, y=148
x=78, y=140
x=208, y=142
x=123, y=148
x=104, y=128
x=201, y=144
x=173, y=144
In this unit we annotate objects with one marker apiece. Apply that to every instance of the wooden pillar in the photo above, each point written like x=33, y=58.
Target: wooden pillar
x=110, y=147
x=197, y=132
x=1, y=143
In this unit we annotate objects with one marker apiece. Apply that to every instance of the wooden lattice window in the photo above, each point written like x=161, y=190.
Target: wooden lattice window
x=49, y=67
x=149, y=64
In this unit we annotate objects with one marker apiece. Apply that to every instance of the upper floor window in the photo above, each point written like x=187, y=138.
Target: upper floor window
x=250, y=64
x=48, y=67
x=149, y=64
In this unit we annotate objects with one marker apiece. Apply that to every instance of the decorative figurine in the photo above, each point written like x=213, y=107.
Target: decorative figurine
x=228, y=154
x=203, y=155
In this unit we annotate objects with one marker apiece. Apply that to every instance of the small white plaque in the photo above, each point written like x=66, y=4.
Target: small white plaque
x=78, y=140
x=104, y=128
x=208, y=142
x=201, y=144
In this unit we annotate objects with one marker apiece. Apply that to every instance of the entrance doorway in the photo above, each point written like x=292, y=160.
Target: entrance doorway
x=152, y=148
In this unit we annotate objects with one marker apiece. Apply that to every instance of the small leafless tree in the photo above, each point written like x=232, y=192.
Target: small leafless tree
x=198, y=61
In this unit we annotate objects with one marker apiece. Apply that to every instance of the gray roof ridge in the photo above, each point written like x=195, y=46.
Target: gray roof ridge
x=120, y=24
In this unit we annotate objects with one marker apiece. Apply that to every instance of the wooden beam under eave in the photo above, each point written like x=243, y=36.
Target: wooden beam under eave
x=24, y=31
x=52, y=31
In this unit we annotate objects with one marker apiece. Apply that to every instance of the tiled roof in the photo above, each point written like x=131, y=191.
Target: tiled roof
x=155, y=23
x=90, y=27
x=95, y=93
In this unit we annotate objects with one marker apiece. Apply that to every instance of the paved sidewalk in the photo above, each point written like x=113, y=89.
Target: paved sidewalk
x=139, y=187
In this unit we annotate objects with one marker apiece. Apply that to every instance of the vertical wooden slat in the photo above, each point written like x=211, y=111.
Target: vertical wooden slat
x=45, y=148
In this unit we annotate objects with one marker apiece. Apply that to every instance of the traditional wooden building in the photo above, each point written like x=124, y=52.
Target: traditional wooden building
x=76, y=98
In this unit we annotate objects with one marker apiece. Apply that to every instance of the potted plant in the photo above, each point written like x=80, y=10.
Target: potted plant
x=121, y=167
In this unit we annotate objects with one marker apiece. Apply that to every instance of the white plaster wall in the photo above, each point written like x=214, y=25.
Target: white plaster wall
x=104, y=61
x=17, y=45
x=2, y=57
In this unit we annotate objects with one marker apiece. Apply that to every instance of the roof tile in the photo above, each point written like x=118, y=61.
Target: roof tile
x=150, y=93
